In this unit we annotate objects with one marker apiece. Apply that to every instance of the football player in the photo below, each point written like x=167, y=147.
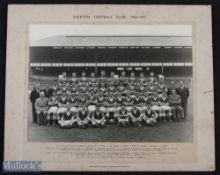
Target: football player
x=101, y=102
x=103, y=89
x=83, y=117
x=112, y=75
x=74, y=88
x=84, y=88
x=62, y=78
x=166, y=109
x=137, y=100
x=92, y=80
x=93, y=88
x=74, y=80
x=149, y=116
x=92, y=102
x=150, y=89
x=155, y=102
x=132, y=76
x=97, y=118
x=53, y=107
x=128, y=102
x=111, y=108
x=64, y=86
x=120, y=100
x=145, y=99
x=82, y=101
x=113, y=78
x=123, y=77
x=161, y=86
x=135, y=116
x=73, y=102
x=121, y=88
x=141, y=88
x=131, y=88
x=111, y=88
x=55, y=88
x=142, y=78
x=67, y=118
x=83, y=78
x=59, y=93
x=68, y=93
x=123, y=117
x=63, y=102
x=102, y=79
x=171, y=87
x=152, y=78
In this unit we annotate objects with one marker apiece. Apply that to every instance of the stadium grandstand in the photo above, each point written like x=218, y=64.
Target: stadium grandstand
x=167, y=55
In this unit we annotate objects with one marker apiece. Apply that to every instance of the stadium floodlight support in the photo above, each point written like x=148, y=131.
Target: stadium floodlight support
x=162, y=55
x=116, y=56
x=96, y=60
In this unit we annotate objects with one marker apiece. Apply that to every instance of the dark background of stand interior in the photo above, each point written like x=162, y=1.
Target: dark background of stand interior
x=107, y=56
x=216, y=54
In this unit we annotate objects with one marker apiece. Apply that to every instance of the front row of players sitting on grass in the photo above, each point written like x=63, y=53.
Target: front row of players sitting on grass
x=71, y=110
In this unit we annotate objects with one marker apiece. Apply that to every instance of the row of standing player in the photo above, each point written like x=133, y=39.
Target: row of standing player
x=83, y=80
x=105, y=85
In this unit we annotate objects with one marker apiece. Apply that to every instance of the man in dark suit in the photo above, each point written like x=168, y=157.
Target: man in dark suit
x=33, y=96
x=184, y=94
x=48, y=91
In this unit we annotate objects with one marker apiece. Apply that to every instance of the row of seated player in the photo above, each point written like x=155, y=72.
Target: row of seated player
x=111, y=98
x=68, y=111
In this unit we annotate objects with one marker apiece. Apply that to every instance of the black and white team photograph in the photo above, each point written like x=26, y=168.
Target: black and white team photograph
x=110, y=83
